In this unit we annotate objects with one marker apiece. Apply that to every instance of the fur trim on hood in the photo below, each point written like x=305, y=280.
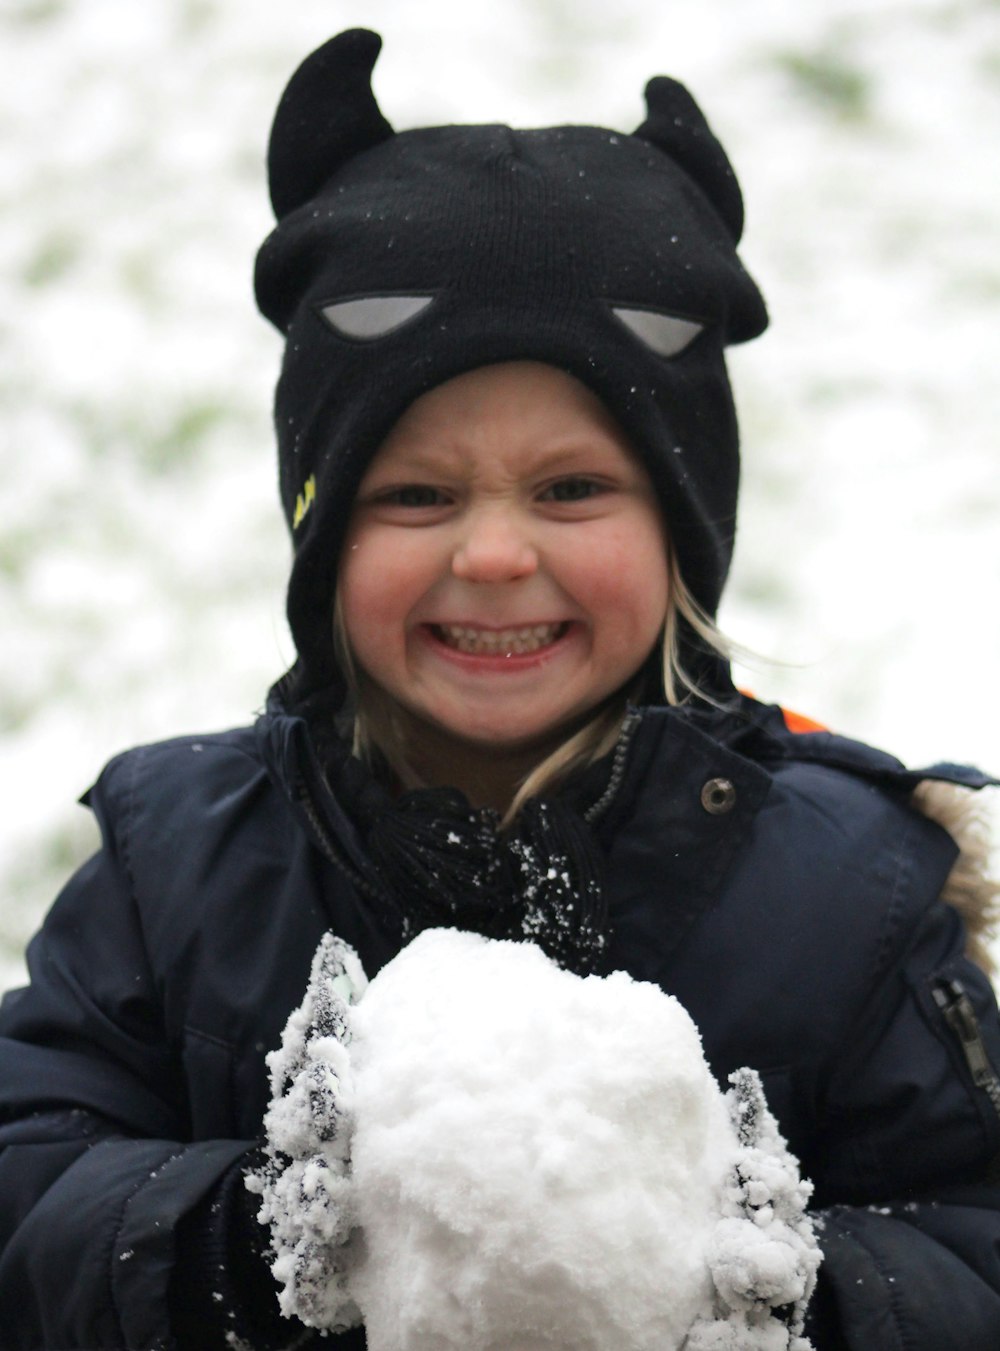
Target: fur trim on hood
x=970, y=888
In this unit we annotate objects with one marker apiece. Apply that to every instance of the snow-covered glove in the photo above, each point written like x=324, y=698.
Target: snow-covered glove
x=304, y=1182
x=763, y=1256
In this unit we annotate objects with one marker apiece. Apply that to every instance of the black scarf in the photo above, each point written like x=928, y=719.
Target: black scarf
x=445, y=863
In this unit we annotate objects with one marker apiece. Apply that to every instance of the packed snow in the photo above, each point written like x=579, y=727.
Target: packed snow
x=482, y=1151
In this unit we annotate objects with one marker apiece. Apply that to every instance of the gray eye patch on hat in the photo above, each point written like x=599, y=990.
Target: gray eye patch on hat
x=369, y=317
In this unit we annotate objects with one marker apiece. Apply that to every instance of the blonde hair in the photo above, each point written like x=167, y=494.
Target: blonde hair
x=378, y=727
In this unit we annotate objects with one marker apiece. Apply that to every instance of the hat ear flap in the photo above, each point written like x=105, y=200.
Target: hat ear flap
x=677, y=126
x=327, y=114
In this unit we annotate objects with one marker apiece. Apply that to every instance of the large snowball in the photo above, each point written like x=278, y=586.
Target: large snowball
x=538, y=1159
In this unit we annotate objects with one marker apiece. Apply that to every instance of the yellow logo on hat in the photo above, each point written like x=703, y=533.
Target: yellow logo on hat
x=304, y=501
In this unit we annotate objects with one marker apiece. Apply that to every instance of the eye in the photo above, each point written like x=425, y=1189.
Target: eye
x=572, y=490
x=411, y=495
x=665, y=334
x=371, y=317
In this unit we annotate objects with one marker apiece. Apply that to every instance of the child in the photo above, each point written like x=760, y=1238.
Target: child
x=509, y=462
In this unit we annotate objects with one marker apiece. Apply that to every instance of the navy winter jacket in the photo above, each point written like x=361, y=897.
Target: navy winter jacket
x=780, y=886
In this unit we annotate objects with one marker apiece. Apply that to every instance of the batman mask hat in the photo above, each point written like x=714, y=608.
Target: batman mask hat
x=401, y=259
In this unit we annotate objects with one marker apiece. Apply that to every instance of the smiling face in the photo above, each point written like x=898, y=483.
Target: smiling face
x=505, y=568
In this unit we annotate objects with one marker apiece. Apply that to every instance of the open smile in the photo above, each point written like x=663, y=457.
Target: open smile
x=479, y=642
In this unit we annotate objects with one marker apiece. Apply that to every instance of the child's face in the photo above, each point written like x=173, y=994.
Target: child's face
x=505, y=567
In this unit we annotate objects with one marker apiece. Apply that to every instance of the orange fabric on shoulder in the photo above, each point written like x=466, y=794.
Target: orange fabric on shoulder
x=798, y=722
x=795, y=722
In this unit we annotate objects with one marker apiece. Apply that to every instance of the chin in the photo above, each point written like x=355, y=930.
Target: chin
x=502, y=740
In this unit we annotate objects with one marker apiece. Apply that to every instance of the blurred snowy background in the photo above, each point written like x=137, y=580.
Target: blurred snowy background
x=142, y=558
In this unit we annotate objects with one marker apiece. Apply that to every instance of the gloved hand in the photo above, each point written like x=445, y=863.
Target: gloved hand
x=304, y=1181
x=763, y=1255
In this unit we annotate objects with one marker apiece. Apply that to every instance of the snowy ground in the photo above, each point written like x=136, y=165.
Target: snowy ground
x=142, y=558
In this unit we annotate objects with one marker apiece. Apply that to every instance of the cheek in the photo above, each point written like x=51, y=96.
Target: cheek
x=383, y=575
x=367, y=598
x=626, y=579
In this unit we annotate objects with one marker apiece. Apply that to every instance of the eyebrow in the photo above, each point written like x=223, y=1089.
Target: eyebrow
x=438, y=460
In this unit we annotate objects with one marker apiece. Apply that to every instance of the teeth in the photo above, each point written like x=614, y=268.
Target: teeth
x=499, y=642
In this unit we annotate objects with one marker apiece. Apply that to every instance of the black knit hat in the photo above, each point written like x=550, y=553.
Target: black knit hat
x=402, y=259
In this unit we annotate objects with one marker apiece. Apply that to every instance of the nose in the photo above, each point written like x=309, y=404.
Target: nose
x=494, y=547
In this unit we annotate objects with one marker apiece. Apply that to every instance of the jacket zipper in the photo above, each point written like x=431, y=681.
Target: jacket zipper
x=958, y=1012
x=325, y=841
x=629, y=726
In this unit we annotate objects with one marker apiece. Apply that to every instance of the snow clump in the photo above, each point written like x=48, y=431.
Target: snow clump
x=305, y=1183
x=484, y=1151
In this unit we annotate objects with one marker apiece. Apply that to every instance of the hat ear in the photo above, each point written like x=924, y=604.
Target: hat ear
x=327, y=114
x=677, y=126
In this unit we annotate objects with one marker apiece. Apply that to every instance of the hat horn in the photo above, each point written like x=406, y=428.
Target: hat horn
x=677, y=125
x=327, y=114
